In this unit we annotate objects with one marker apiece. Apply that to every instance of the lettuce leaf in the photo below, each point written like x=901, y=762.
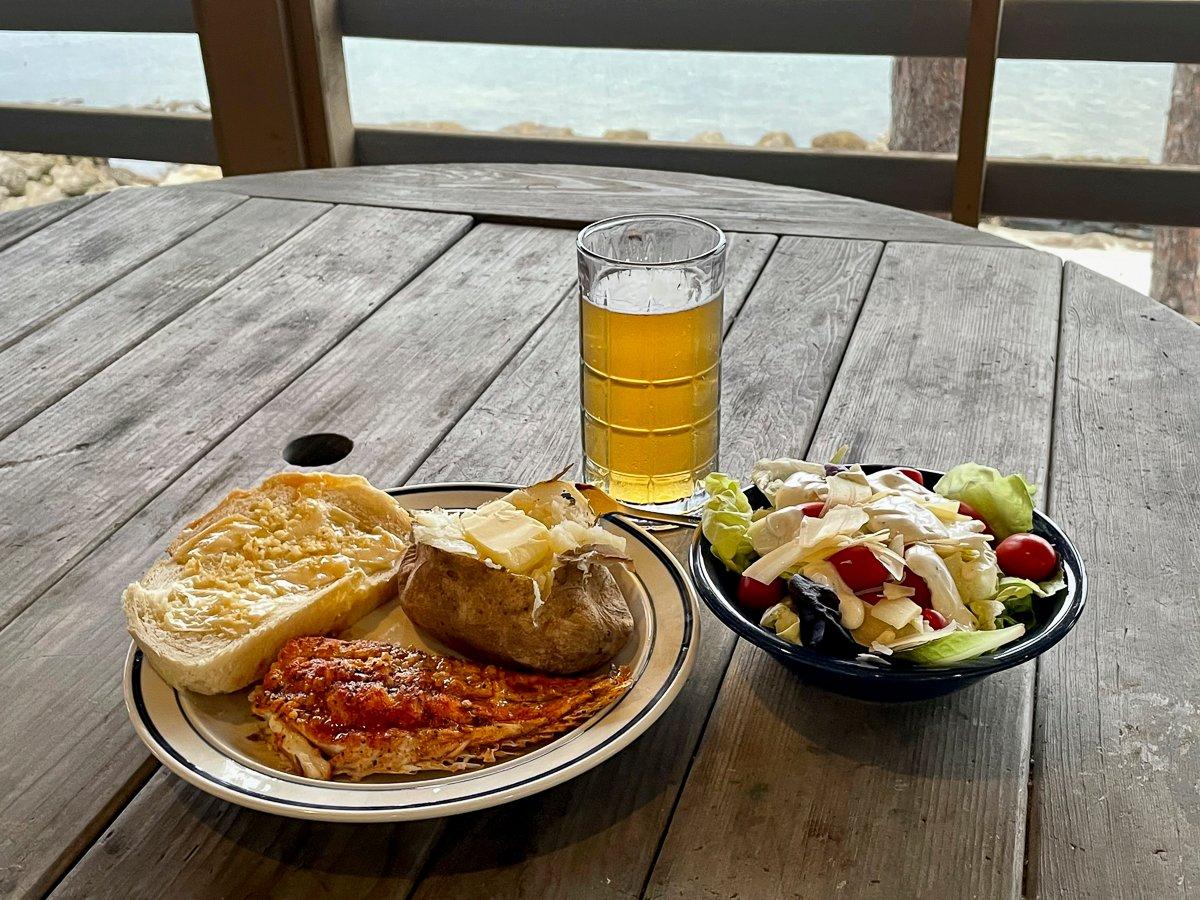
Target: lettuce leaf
x=961, y=646
x=725, y=521
x=1005, y=502
x=1017, y=596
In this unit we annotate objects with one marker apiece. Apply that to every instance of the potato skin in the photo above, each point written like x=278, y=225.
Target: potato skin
x=487, y=613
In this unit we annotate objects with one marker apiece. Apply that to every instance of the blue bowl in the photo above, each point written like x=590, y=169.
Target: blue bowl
x=896, y=680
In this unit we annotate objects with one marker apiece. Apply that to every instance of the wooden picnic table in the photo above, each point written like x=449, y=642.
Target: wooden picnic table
x=160, y=347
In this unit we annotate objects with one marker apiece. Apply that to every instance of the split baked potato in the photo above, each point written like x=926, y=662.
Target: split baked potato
x=524, y=581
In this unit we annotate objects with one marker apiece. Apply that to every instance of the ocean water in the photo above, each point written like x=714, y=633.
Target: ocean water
x=1040, y=107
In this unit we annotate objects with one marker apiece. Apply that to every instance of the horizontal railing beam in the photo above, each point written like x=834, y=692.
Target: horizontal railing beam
x=1114, y=30
x=1119, y=30
x=872, y=27
x=1093, y=192
x=110, y=15
x=125, y=133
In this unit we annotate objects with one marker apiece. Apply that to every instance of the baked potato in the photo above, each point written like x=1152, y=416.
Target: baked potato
x=521, y=581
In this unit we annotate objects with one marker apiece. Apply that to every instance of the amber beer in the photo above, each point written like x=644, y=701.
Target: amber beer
x=651, y=303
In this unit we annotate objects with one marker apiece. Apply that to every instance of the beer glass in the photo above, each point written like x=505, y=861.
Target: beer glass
x=651, y=302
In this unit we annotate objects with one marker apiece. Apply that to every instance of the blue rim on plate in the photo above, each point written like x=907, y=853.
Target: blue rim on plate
x=665, y=654
x=717, y=587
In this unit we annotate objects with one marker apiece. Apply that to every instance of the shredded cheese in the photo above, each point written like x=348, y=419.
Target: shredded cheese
x=235, y=571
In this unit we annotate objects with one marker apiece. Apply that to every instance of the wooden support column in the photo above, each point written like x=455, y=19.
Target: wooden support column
x=320, y=71
x=983, y=43
x=276, y=84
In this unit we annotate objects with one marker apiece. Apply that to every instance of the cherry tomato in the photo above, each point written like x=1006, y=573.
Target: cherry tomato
x=1026, y=556
x=871, y=598
x=859, y=568
x=934, y=618
x=915, y=476
x=756, y=595
x=966, y=509
x=922, y=597
x=813, y=510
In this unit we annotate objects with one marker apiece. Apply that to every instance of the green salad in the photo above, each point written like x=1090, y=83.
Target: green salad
x=848, y=562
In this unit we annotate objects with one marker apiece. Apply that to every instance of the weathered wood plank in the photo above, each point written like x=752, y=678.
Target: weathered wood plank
x=1116, y=739
x=523, y=413
x=82, y=467
x=22, y=222
x=802, y=793
x=62, y=264
x=68, y=350
x=396, y=384
x=572, y=195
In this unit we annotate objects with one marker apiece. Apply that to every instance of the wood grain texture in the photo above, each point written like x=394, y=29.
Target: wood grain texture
x=46, y=365
x=572, y=195
x=321, y=89
x=798, y=792
x=396, y=384
x=81, y=468
x=597, y=835
x=60, y=265
x=1115, y=803
x=22, y=222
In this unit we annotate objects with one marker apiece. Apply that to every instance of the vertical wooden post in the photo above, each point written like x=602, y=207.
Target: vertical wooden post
x=276, y=84
x=321, y=82
x=982, y=47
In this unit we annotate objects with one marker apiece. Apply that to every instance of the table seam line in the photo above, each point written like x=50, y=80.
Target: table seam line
x=41, y=323
x=1027, y=876
x=683, y=782
x=90, y=547
x=87, y=200
x=69, y=858
x=422, y=870
x=36, y=410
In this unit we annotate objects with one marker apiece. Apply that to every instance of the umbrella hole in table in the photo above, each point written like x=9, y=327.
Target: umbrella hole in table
x=322, y=449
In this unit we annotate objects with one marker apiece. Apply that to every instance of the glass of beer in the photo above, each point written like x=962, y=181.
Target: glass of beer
x=650, y=311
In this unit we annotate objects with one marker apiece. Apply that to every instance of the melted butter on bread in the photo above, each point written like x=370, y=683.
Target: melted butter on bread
x=234, y=571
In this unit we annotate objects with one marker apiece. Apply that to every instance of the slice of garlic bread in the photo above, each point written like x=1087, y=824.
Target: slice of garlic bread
x=302, y=554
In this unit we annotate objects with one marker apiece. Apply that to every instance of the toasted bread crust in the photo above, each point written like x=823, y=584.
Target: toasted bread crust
x=216, y=663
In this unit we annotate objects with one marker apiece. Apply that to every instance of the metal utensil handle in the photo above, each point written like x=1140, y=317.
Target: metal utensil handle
x=652, y=516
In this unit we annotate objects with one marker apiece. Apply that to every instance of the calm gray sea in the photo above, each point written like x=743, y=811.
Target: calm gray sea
x=1059, y=108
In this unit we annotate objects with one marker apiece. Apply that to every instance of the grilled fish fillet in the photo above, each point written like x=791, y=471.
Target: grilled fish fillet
x=358, y=708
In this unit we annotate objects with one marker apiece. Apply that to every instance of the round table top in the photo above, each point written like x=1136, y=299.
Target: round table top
x=160, y=347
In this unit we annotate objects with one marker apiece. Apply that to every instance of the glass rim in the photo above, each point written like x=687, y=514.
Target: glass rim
x=716, y=249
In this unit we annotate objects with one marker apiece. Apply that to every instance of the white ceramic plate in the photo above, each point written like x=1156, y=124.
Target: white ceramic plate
x=209, y=741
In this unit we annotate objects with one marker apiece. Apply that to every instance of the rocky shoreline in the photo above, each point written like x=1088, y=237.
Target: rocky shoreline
x=31, y=179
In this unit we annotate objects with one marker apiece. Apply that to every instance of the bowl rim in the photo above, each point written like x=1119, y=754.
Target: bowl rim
x=1021, y=651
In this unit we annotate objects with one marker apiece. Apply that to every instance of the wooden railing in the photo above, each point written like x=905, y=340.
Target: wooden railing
x=277, y=86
